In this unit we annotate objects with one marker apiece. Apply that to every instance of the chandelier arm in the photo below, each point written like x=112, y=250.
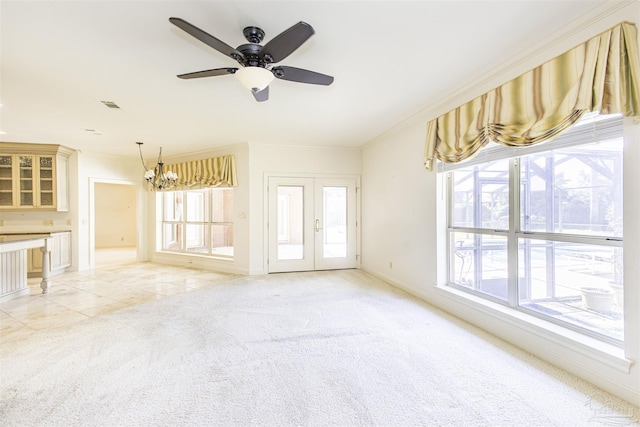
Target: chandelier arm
x=142, y=158
x=158, y=177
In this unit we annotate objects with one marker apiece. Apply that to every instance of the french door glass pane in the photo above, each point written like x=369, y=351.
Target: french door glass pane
x=481, y=196
x=290, y=222
x=577, y=283
x=197, y=238
x=480, y=263
x=573, y=190
x=335, y=222
x=222, y=240
x=172, y=237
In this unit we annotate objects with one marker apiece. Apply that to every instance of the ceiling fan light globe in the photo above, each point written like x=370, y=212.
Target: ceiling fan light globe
x=254, y=78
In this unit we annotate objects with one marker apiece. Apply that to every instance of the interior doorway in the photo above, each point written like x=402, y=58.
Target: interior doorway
x=312, y=223
x=115, y=224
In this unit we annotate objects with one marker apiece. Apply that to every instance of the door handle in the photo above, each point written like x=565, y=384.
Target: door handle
x=317, y=225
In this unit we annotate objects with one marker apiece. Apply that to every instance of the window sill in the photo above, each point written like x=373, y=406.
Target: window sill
x=562, y=338
x=206, y=262
x=197, y=256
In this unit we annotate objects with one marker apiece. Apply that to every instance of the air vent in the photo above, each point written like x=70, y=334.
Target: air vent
x=111, y=104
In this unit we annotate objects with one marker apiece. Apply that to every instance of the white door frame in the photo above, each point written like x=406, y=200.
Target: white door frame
x=269, y=175
x=140, y=215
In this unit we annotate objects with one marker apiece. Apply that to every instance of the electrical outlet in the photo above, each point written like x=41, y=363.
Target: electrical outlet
x=48, y=222
x=69, y=222
x=390, y=264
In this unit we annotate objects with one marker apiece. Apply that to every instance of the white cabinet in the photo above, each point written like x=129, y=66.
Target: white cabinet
x=34, y=176
x=61, y=251
x=60, y=254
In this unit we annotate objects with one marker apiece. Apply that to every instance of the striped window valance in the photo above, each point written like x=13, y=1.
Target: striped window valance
x=213, y=172
x=602, y=74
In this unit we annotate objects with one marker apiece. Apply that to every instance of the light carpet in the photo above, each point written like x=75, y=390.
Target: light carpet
x=323, y=348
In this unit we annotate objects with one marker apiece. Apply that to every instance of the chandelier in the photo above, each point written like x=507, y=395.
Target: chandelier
x=158, y=177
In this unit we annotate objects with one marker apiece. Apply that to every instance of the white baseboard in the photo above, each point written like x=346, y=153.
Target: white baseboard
x=15, y=294
x=194, y=261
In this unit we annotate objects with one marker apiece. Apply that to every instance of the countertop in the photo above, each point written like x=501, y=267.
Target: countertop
x=21, y=237
x=5, y=231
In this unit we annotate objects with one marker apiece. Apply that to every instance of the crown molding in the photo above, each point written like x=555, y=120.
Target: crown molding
x=29, y=148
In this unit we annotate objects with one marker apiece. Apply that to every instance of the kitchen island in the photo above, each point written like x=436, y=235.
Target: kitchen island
x=13, y=263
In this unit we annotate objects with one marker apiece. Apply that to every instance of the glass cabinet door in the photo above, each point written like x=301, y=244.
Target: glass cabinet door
x=30, y=180
x=45, y=184
x=26, y=181
x=6, y=180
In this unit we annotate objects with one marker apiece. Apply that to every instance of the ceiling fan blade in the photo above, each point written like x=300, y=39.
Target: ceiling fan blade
x=208, y=73
x=302, y=76
x=207, y=38
x=286, y=42
x=261, y=95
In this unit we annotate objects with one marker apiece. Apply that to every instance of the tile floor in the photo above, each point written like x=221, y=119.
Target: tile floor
x=111, y=286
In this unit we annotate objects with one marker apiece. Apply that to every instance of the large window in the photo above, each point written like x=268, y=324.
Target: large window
x=198, y=222
x=542, y=232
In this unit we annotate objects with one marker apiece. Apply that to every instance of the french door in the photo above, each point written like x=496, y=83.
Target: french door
x=312, y=224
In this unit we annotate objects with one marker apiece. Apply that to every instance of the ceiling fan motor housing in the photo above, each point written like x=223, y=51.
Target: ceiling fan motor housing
x=253, y=34
x=251, y=52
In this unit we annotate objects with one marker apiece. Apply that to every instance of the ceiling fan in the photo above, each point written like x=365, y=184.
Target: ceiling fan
x=257, y=61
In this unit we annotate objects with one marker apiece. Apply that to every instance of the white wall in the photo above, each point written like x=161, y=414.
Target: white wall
x=34, y=220
x=115, y=215
x=398, y=205
x=403, y=225
x=96, y=168
x=290, y=160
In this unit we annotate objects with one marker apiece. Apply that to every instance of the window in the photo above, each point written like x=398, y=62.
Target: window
x=198, y=222
x=542, y=232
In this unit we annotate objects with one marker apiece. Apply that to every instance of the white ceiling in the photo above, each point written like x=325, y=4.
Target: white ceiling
x=390, y=60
